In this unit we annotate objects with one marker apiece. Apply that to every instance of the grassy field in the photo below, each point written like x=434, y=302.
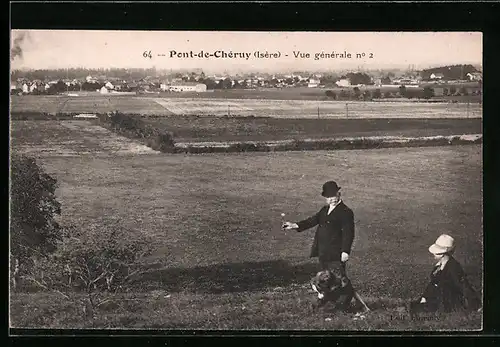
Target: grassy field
x=80, y=136
x=194, y=129
x=222, y=261
x=86, y=104
x=69, y=138
x=165, y=106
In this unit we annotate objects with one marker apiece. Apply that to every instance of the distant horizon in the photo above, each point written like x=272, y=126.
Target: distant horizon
x=218, y=52
x=226, y=71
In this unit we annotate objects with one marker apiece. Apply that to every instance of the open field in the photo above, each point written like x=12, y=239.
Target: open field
x=69, y=138
x=164, y=106
x=219, y=246
x=310, y=109
x=86, y=104
x=62, y=136
x=195, y=129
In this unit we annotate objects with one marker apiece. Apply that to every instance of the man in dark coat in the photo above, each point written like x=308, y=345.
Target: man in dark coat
x=335, y=232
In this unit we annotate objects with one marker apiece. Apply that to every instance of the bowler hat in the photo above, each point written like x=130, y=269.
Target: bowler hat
x=330, y=188
x=444, y=244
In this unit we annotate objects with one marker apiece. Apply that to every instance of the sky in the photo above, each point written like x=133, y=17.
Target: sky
x=48, y=49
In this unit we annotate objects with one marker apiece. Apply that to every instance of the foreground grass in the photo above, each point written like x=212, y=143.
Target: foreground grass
x=275, y=309
x=216, y=221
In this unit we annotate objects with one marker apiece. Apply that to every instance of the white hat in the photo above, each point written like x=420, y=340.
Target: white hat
x=444, y=244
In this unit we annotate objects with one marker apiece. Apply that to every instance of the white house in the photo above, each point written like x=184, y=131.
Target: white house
x=109, y=85
x=436, y=76
x=32, y=87
x=188, y=87
x=104, y=90
x=25, y=88
x=313, y=83
x=475, y=76
x=345, y=82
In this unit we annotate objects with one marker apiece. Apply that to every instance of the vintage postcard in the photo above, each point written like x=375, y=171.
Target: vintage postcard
x=222, y=181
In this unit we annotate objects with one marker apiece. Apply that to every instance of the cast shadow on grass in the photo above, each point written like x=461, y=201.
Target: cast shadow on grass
x=227, y=278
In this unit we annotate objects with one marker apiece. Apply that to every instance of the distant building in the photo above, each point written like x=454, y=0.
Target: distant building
x=475, y=76
x=109, y=85
x=343, y=82
x=313, y=83
x=188, y=87
x=104, y=90
x=436, y=76
x=25, y=88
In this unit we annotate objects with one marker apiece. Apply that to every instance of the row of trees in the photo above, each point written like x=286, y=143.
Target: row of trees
x=357, y=94
x=402, y=92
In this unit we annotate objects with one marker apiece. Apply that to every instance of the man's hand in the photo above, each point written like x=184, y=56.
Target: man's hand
x=289, y=226
x=344, y=257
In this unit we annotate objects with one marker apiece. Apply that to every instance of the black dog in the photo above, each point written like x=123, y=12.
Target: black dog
x=334, y=288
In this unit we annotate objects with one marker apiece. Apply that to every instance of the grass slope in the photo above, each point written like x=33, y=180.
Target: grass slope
x=216, y=221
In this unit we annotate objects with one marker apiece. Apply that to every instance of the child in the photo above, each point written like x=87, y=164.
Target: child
x=449, y=289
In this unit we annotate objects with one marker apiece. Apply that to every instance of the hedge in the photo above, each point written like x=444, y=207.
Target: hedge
x=327, y=144
x=134, y=127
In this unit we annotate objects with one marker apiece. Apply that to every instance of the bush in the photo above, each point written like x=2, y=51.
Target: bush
x=96, y=261
x=331, y=94
x=34, y=232
x=428, y=92
x=402, y=91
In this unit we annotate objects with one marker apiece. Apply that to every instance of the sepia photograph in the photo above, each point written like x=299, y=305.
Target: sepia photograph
x=246, y=180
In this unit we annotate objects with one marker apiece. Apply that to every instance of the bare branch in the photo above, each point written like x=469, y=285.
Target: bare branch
x=99, y=277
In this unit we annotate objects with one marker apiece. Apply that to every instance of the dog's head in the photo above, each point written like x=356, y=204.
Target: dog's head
x=329, y=281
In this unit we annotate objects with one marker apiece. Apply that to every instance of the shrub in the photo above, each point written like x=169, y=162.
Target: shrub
x=33, y=208
x=96, y=261
x=402, y=91
x=428, y=92
x=331, y=94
